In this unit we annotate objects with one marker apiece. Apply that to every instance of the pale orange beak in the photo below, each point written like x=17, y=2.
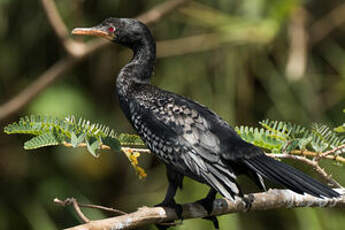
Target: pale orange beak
x=97, y=31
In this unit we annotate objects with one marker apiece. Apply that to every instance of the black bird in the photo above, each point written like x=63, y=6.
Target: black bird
x=189, y=138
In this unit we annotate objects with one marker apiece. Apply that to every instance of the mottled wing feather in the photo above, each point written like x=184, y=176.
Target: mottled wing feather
x=193, y=147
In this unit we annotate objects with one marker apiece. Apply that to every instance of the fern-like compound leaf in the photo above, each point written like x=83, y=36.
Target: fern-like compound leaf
x=325, y=138
x=43, y=140
x=71, y=130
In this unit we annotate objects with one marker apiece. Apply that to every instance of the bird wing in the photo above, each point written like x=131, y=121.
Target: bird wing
x=181, y=132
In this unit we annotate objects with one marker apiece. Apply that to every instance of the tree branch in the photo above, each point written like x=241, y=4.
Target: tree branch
x=332, y=151
x=321, y=28
x=156, y=13
x=300, y=155
x=314, y=154
x=76, y=205
x=272, y=199
x=59, y=27
x=298, y=53
x=43, y=81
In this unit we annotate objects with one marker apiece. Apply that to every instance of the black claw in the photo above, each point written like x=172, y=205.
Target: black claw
x=248, y=200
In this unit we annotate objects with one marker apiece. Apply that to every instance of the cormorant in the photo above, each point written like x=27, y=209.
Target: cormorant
x=189, y=138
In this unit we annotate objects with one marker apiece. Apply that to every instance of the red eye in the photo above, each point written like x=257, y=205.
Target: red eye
x=111, y=29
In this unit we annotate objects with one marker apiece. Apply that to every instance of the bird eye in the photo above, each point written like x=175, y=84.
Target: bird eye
x=111, y=29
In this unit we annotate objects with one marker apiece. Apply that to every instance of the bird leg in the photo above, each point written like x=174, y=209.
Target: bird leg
x=169, y=200
x=207, y=204
x=175, y=181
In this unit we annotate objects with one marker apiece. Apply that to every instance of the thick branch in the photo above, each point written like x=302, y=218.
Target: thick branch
x=272, y=199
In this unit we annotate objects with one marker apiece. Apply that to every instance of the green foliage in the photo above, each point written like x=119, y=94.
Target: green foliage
x=72, y=132
x=279, y=136
x=69, y=131
x=43, y=140
x=274, y=136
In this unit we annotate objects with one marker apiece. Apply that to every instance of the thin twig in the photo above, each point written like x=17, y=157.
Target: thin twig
x=314, y=154
x=70, y=201
x=106, y=147
x=140, y=150
x=103, y=208
x=76, y=207
x=332, y=151
x=83, y=145
x=313, y=164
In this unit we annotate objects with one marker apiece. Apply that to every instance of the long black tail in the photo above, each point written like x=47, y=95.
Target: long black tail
x=288, y=177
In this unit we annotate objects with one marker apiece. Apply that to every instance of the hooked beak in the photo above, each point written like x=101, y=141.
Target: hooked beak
x=97, y=31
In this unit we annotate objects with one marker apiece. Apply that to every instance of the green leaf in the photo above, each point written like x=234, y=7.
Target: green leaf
x=81, y=138
x=112, y=143
x=130, y=139
x=324, y=137
x=47, y=139
x=303, y=142
x=92, y=146
x=260, y=137
x=74, y=140
x=319, y=146
x=289, y=146
x=340, y=129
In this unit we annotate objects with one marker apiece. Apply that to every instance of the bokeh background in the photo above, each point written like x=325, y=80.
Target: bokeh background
x=247, y=60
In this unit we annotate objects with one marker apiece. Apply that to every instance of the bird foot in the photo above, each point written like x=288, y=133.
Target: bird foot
x=248, y=201
x=170, y=204
x=207, y=204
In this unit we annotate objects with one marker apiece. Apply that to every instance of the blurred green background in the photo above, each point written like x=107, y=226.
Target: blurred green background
x=247, y=60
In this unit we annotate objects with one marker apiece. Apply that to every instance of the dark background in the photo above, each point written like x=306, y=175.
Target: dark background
x=283, y=60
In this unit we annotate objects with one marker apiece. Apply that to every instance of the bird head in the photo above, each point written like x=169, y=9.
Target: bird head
x=125, y=31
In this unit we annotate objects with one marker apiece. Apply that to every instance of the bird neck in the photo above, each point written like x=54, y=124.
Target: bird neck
x=140, y=68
